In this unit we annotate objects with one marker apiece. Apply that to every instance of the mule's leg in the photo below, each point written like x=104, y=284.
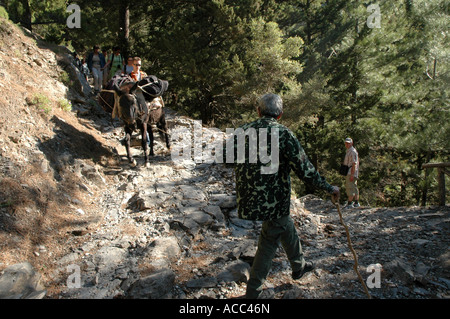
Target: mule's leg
x=128, y=133
x=164, y=131
x=152, y=138
x=145, y=144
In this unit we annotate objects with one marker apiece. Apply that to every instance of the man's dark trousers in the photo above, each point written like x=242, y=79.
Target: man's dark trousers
x=272, y=233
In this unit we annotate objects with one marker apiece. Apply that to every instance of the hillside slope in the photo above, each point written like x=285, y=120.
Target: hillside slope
x=68, y=198
x=38, y=190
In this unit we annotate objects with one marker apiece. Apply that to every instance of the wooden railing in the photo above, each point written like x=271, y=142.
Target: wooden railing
x=441, y=167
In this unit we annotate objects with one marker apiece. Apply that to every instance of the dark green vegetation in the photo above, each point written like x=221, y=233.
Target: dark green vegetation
x=375, y=71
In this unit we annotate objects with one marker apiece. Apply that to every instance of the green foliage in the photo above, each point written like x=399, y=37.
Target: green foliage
x=65, y=78
x=42, y=103
x=270, y=62
x=3, y=13
x=65, y=105
x=378, y=86
x=219, y=56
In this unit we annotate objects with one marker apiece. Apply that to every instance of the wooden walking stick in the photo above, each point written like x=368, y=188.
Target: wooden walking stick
x=355, y=258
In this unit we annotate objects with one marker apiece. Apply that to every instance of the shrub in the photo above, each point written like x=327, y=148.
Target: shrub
x=3, y=13
x=41, y=102
x=65, y=79
x=65, y=105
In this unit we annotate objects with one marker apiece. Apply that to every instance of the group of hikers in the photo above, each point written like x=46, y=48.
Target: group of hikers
x=104, y=65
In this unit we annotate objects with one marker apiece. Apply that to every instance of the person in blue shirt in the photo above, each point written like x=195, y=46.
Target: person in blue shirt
x=96, y=63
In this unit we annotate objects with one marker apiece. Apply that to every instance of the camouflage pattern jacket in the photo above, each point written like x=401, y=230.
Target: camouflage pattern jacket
x=266, y=195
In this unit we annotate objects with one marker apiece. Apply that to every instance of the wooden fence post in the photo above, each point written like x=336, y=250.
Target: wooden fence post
x=441, y=178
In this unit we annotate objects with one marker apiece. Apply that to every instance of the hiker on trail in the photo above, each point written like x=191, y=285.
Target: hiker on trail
x=351, y=180
x=137, y=74
x=84, y=69
x=77, y=61
x=116, y=62
x=106, y=68
x=265, y=195
x=96, y=62
x=130, y=65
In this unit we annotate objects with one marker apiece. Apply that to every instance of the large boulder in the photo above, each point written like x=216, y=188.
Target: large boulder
x=21, y=281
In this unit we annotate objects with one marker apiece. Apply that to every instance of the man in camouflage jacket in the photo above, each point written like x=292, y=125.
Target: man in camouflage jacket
x=263, y=188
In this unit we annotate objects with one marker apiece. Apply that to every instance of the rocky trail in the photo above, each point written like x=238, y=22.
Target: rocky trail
x=171, y=231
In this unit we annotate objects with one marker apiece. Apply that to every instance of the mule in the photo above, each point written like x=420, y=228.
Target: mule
x=134, y=112
x=152, y=89
x=157, y=117
x=106, y=97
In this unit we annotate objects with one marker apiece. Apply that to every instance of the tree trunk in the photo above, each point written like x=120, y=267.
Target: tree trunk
x=124, y=27
x=403, y=186
x=26, y=19
x=308, y=23
x=425, y=190
x=419, y=190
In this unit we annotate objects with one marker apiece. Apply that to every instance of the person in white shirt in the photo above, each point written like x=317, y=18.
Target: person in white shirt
x=130, y=65
x=137, y=74
x=351, y=180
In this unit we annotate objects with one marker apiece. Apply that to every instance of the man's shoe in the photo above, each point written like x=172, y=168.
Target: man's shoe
x=347, y=205
x=355, y=205
x=299, y=274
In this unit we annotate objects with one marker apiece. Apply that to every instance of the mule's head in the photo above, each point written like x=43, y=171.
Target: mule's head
x=128, y=103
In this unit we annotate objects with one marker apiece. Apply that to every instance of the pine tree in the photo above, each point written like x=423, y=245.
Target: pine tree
x=218, y=55
x=377, y=85
x=414, y=109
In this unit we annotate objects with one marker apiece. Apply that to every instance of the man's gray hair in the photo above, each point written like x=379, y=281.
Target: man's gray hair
x=270, y=105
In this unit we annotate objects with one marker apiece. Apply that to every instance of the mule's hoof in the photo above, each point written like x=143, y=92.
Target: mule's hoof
x=147, y=165
x=133, y=163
